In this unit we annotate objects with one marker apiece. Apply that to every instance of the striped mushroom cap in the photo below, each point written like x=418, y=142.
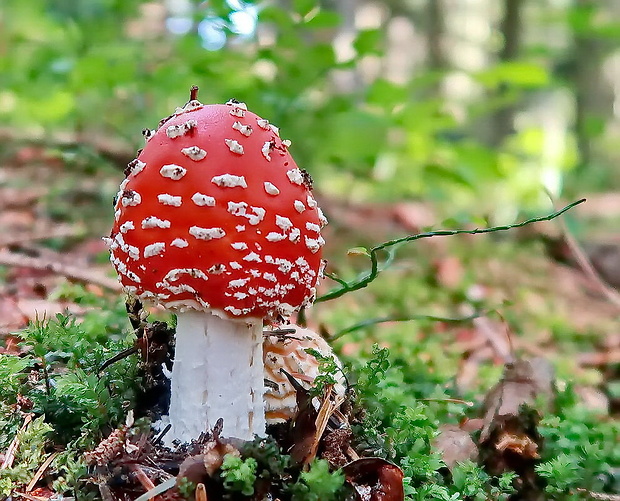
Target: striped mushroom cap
x=215, y=215
x=288, y=352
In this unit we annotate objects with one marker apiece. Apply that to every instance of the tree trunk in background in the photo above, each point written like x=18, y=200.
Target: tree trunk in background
x=511, y=28
x=592, y=93
x=435, y=33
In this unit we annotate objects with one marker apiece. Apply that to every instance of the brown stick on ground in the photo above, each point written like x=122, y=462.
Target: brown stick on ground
x=10, y=453
x=41, y=471
x=73, y=272
x=61, y=231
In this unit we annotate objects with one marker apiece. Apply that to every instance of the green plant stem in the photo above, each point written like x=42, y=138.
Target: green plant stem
x=391, y=245
x=375, y=321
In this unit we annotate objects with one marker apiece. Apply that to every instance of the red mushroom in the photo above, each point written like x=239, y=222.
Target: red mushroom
x=216, y=222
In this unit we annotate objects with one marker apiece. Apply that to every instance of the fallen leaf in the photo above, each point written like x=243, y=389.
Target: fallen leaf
x=375, y=479
x=455, y=445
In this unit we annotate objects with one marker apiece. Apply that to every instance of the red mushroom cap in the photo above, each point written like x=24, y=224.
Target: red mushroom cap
x=215, y=214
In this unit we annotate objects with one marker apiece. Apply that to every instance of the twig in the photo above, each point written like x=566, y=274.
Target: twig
x=391, y=245
x=72, y=272
x=59, y=232
x=600, y=495
x=375, y=321
x=201, y=492
x=117, y=154
x=10, y=452
x=158, y=489
x=583, y=261
x=41, y=471
x=144, y=480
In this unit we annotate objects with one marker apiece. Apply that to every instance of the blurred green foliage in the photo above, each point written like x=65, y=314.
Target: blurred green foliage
x=107, y=69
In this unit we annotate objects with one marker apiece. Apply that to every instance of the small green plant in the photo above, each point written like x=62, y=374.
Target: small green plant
x=186, y=488
x=239, y=474
x=318, y=484
x=328, y=369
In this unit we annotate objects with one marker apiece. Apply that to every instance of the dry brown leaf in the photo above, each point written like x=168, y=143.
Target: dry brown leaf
x=455, y=445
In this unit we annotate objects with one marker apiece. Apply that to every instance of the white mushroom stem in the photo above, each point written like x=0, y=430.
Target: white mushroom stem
x=217, y=373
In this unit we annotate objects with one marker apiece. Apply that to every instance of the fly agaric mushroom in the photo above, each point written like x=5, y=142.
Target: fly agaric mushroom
x=288, y=352
x=216, y=222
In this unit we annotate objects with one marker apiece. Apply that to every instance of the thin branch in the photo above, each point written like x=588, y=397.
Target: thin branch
x=391, y=245
x=39, y=473
x=375, y=321
x=9, y=456
x=72, y=272
x=583, y=261
x=61, y=231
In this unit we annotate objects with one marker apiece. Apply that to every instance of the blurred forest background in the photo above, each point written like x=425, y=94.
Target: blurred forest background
x=475, y=105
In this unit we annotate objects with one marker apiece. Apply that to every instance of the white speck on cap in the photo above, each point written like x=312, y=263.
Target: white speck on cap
x=237, y=208
x=136, y=166
x=155, y=249
x=180, y=130
x=285, y=309
x=239, y=245
x=311, y=202
x=263, y=124
x=192, y=105
x=286, y=143
x=229, y=181
x=173, y=171
x=246, y=130
x=174, y=275
x=234, y=146
x=314, y=244
x=203, y=200
x=235, y=265
x=240, y=228
x=270, y=277
x=154, y=222
x=131, y=199
x=131, y=250
x=194, y=153
x=295, y=176
x=266, y=150
x=240, y=282
x=313, y=227
x=181, y=243
x=253, y=257
x=271, y=189
x=217, y=269
x=322, y=218
x=167, y=199
x=126, y=226
x=206, y=233
x=275, y=237
x=148, y=134
x=257, y=217
x=295, y=235
x=299, y=206
x=240, y=295
x=283, y=222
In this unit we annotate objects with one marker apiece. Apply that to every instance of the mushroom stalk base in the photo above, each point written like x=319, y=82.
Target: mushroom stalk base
x=217, y=373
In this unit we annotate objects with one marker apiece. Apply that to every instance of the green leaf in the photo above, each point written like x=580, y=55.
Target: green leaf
x=323, y=19
x=516, y=73
x=304, y=7
x=368, y=42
